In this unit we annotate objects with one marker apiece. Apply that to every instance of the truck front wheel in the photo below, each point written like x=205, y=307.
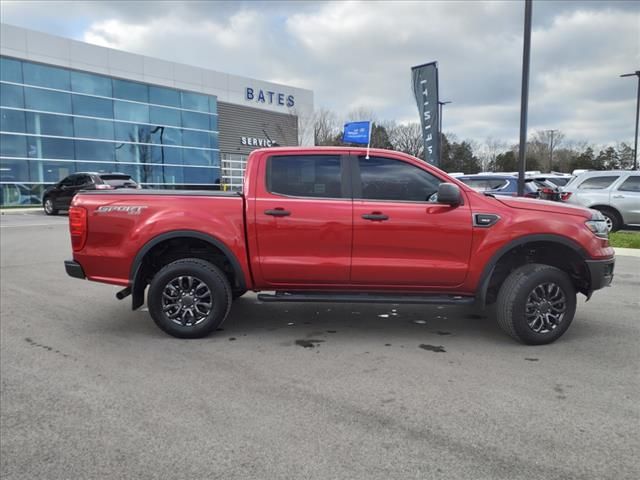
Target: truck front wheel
x=536, y=304
x=189, y=298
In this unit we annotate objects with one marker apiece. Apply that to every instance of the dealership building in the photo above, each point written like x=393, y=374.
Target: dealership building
x=68, y=106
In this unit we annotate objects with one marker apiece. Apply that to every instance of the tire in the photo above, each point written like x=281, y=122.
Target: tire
x=182, y=312
x=614, y=222
x=545, y=321
x=47, y=205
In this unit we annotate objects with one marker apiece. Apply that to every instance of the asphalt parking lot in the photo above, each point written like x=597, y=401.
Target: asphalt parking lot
x=90, y=389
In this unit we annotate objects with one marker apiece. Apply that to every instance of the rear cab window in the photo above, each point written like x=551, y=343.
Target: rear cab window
x=315, y=176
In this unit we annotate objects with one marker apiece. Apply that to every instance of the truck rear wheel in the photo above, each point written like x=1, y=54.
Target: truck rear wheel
x=189, y=298
x=536, y=304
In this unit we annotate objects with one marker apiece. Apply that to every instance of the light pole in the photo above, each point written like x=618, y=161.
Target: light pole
x=524, y=100
x=635, y=145
x=551, y=132
x=440, y=105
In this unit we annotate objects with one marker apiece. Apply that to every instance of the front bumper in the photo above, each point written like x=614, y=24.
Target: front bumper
x=74, y=269
x=601, y=272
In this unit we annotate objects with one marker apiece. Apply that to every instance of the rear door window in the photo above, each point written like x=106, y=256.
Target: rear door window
x=67, y=182
x=318, y=176
x=598, y=183
x=82, y=180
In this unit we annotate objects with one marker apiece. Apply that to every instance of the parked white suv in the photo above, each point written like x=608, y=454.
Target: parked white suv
x=616, y=193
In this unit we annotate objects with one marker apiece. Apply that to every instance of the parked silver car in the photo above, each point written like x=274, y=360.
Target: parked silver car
x=616, y=193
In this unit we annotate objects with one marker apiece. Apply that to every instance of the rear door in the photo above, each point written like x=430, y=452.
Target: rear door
x=625, y=197
x=401, y=238
x=303, y=220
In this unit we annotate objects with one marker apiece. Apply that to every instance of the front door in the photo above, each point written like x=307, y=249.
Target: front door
x=401, y=236
x=303, y=220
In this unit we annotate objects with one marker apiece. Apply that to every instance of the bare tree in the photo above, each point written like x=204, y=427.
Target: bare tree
x=543, y=145
x=488, y=152
x=325, y=127
x=407, y=138
x=306, y=125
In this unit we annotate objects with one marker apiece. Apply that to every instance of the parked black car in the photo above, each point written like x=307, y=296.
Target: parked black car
x=59, y=196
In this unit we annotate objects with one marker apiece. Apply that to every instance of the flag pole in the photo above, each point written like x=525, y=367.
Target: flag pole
x=369, y=140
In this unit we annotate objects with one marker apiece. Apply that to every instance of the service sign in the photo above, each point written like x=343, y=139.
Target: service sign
x=256, y=142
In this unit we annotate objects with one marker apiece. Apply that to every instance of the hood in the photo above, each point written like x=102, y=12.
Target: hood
x=544, y=206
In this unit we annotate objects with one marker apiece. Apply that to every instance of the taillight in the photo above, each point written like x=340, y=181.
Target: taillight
x=548, y=191
x=564, y=196
x=78, y=227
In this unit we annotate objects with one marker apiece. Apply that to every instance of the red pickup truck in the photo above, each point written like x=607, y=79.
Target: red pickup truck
x=320, y=224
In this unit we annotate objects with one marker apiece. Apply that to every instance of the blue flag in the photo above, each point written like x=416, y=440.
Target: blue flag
x=357, y=132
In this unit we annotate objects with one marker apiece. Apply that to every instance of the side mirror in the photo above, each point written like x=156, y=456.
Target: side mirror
x=449, y=194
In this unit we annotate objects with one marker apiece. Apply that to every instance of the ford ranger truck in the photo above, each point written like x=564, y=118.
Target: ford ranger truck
x=325, y=224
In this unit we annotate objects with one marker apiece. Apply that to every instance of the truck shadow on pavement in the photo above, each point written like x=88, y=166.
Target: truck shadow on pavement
x=309, y=325
x=379, y=323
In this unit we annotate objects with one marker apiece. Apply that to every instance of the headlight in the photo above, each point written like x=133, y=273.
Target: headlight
x=598, y=224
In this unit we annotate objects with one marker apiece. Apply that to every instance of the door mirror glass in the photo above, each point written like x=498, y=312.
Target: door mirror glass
x=449, y=194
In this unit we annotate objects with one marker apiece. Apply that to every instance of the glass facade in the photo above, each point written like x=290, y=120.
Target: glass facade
x=56, y=121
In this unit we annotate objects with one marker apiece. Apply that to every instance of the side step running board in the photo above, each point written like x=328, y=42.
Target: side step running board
x=365, y=298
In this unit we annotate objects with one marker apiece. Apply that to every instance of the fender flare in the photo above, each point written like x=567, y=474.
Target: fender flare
x=137, y=289
x=487, y=272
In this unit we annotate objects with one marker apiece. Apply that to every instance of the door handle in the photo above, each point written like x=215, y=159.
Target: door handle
x=375, y=217
x=278, y=212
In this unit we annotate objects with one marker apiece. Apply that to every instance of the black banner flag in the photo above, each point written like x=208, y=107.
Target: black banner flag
x=425, y=89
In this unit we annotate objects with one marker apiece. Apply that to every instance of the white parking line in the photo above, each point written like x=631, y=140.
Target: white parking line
x=32, y=225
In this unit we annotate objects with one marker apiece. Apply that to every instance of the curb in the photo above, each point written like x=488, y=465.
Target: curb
x=13, y=211
x=627, y=252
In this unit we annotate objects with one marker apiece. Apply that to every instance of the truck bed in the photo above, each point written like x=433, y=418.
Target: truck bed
x=124, y=222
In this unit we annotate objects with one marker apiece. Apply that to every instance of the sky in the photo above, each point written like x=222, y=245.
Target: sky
x=358, y=55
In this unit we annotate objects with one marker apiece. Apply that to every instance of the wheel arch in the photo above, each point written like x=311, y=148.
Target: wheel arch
x=569, y=246
x=600, y=206
x=136, y=277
